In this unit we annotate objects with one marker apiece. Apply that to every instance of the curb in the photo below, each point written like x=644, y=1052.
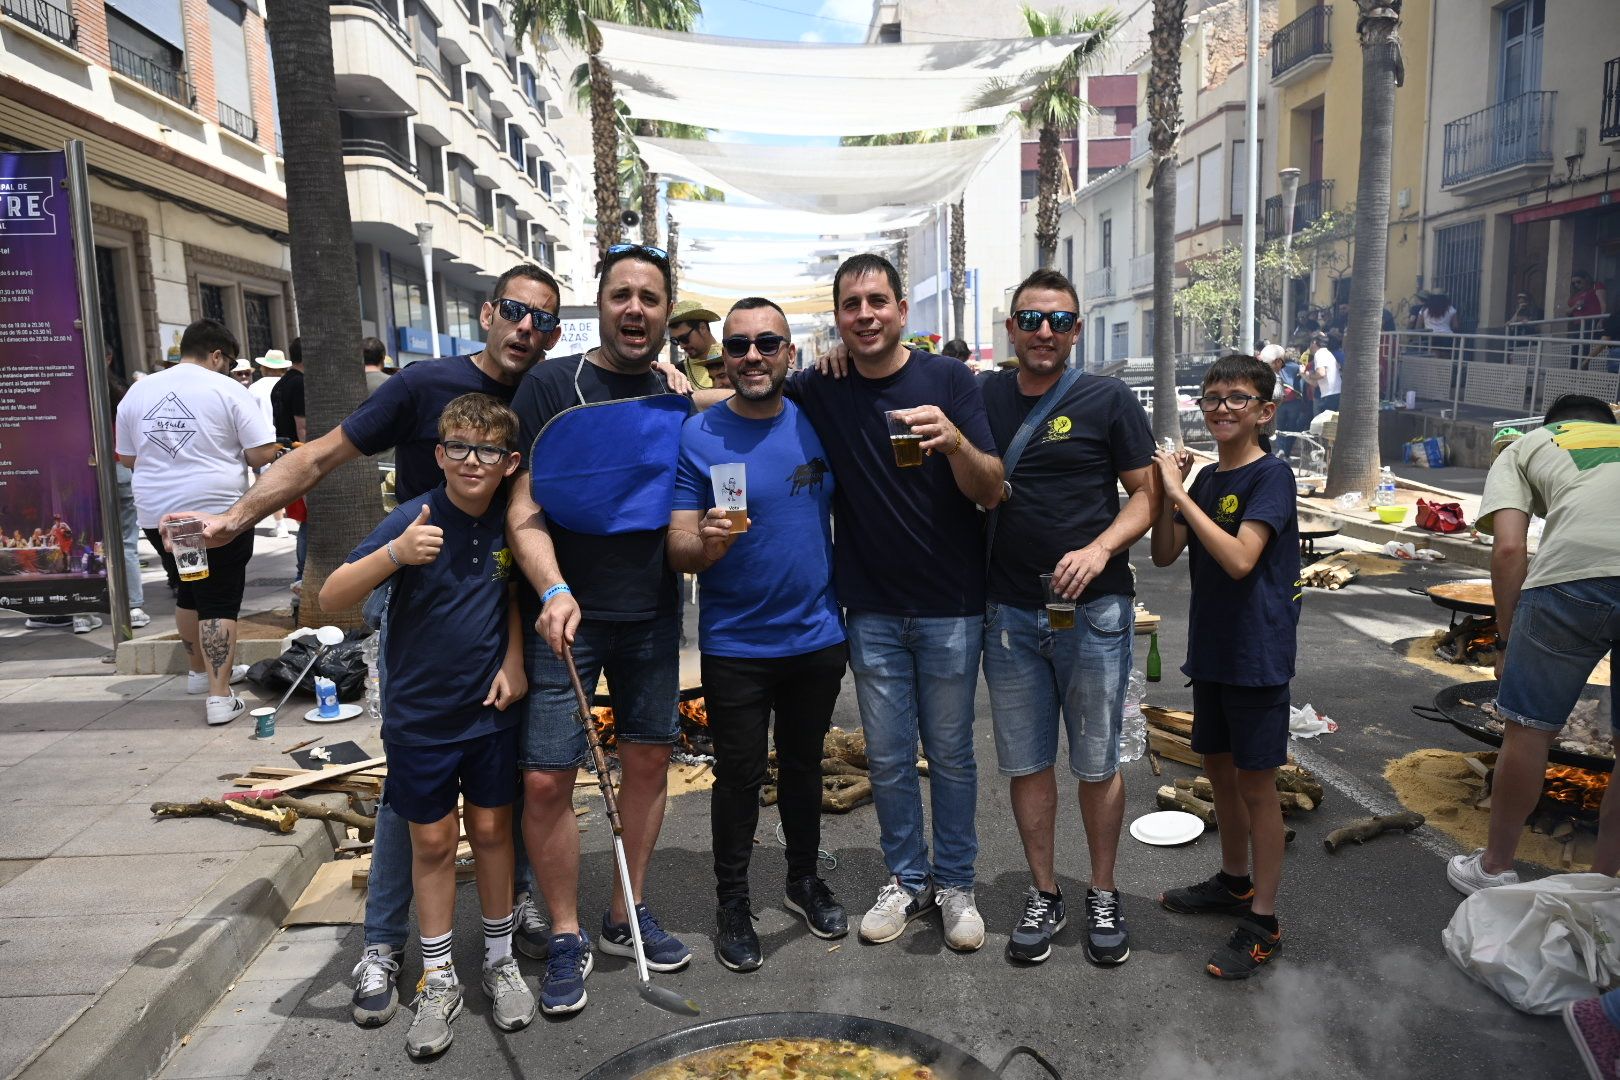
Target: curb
x=136, y=1023
x=1457, y=552
x=167, y=655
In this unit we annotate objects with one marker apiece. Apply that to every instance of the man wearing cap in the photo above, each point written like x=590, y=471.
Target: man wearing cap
x=689, y=328
x=715, y=365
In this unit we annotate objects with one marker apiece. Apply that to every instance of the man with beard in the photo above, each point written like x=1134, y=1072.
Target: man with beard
x=612, y=599
x=769, y=629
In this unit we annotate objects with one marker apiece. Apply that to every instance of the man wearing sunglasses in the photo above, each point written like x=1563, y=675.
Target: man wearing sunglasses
x=689, y=328
x=1066, y=440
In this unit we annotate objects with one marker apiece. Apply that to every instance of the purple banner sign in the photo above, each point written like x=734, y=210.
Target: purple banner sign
x=51, y=560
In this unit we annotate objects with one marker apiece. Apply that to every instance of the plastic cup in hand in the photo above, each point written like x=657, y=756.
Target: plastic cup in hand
x=1059, y=608
x=186, y=544
x=907, y=445
x=730, y=483
x=326, y=700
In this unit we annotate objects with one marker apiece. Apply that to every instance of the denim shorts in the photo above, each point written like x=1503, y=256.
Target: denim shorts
x=423, y=781
x=642, y=662
x=1559, y=634
x=1035, y=672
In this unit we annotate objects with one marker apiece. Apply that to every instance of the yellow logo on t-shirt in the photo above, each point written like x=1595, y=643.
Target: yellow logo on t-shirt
x=1589, y=444
x=503, y=565
x=1226, y=510
x=1057, y=429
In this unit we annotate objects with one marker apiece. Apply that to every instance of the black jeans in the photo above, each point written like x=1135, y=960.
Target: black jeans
x=740, y=696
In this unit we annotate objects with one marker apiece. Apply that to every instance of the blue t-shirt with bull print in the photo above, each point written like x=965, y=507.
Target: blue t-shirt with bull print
x=772, y=594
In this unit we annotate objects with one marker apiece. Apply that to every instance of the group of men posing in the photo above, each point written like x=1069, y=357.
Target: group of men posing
x=920, y=588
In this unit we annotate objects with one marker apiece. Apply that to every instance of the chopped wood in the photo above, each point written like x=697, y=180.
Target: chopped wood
x=1365, y=829
x=1330, y=573
x=1290, y=801
x=1299, y=778
x=281, y=819
x=305, y=808
x=846, y=746
x=1175, y=747
x=1174, y=798
x=836, y=767
x=841, y=794
x=1155, y=762
x=1173, y=720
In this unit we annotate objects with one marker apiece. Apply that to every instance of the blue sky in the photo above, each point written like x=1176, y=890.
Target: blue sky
x=788, y=20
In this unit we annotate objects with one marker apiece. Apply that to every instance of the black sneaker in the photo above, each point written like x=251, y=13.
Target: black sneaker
x=736, y=945
x=1107, y=940
x=1249, y=948
x=811, y=898
x=1208, y=897
x=1031, y=940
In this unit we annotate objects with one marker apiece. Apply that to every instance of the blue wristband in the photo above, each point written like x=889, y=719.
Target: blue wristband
x=560, y=587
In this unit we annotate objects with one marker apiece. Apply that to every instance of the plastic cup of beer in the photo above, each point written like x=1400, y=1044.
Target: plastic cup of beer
x=907, y=445
x=186, y=544
x=730, y=483
x=1059, y=609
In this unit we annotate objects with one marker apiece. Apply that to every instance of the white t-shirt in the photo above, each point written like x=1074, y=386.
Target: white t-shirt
x=187, y=427
x=1440, y=324
x=260, y=389
x=1327, y=366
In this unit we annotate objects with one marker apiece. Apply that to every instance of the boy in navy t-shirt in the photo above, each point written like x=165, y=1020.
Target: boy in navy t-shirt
x=1239, y=525
x=455, y=663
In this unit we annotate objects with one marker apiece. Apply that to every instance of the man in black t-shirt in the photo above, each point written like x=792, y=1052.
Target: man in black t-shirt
x=287, y=399
x=1061, y=516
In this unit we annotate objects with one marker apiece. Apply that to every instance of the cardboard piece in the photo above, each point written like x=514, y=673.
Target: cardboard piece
x=330, y=899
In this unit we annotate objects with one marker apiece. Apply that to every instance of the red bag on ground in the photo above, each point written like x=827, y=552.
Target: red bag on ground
x=1440, y=517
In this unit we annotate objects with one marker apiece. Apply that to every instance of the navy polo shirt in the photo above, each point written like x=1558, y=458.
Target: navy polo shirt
x=447, y=625
x=403, y=414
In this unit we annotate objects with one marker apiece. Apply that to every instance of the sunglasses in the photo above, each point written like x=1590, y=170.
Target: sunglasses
x=646, y=249
x=680, y=339
x=1234, y=402
x=737, y=345
x=515, y=311
x=1030, y=321
x=488, y=454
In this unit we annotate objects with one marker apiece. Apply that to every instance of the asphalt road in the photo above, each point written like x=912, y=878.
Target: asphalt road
x=1362, y=989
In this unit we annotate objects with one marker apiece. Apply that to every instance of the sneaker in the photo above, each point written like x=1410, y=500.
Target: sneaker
x=375, y=999
x=280, y=530
x=531, y=933
x=964, y=926
x=1597, y=1040
x=894, y=907
x=1245, y=951
x=663, y=950
x=1467, y=874
x=811, y=898
x=1031, y=940
x=1107, y=940
x=735, y=944
x=197, y=681
x=48, y=622
x=512, y=1001
x=138, y=618
x=1208, y=897
x=568, y=962
x=437, y=1006
x=222, y=710
x=83, y=624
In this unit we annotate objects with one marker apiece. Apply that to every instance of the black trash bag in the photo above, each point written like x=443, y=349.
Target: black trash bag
x=343, y=663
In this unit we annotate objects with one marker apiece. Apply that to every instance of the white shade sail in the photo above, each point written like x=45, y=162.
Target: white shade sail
x=774, y=221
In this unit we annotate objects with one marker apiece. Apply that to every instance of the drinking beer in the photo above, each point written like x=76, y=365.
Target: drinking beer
x=907, y=446
x=730, y=484
x=190, y=552
x=1059, y=609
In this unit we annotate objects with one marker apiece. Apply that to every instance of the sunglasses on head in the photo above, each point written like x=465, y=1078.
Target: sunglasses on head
x=488, y=453
x=1030, y=321
x=646, y=249
x=515, y=311
x=737, y=345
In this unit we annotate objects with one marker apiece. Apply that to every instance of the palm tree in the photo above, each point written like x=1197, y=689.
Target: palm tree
x=1355, y=452
x=346, y=505
x=574, y=21
x=1164, y=131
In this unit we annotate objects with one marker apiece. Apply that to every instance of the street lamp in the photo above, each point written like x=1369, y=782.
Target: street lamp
x=424, y=241
x=1290, y=192
x=1251, y=198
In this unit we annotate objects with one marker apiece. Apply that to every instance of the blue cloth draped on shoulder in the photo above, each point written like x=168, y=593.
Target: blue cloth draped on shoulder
x=609, y=468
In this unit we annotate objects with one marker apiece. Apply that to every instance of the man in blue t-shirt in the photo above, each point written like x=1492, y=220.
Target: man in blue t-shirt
x=768, y=626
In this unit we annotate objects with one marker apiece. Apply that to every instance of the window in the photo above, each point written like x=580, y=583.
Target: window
x=1031, y=181
x=256, y=308
x=231, y=68
x=428, y=166
x=151, y=51
x=1240, y=176
x=889, y=33
x=108, y=266
x=1120, y=347
x=545, y=179
x=1068, y=257
x=211, y=302
x=463, y=192
x=530, y=85
x=461, y=309
x=1521, y=49
x=1106, y=246
x=1211, y=171
x=1458, y=256
x=1186, y=195
x=408, y=289
x=514, y=143
x=1147, y=331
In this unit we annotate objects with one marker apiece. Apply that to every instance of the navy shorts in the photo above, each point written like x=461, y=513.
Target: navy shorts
x=423, y=781
x=1248, y=722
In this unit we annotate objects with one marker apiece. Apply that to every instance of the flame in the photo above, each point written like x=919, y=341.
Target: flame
x=694, y=711
x=1581, y=788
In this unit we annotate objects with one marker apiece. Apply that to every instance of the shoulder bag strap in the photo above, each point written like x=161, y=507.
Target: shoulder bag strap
x=1026, y=431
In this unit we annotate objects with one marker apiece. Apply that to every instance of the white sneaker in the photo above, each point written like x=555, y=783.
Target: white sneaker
x=964, y=926
x=83, y=624
x=222, y=710
x=894, y=907
x=280, y=531
x=197, y=681
x=138, y=618
x=1467, y=874
x=48, y=622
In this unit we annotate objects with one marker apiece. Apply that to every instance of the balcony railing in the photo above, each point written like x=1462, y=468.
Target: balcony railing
x=149, y=73
x=1611, y=100
x=47, y=18
x=386, y=10
x=378, y=148
x=1139, y=140
x=1314, y=200
x=1142, y=271
x=1305, y=37
x=240, y=122
x=1507, y=135
x=1099, y=283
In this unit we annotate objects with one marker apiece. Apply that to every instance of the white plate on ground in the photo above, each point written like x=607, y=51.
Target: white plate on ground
x=1167, y=828
x=350, y=711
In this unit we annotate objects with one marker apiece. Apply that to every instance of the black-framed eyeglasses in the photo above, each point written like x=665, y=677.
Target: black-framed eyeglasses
x=488, y=453
x=1029, y=320
x=646, y=249
x=515, y=311
x=1234, y=402
x=737, y=345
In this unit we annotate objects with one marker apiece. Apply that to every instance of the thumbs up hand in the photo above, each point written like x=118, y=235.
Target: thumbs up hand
x=420, y=542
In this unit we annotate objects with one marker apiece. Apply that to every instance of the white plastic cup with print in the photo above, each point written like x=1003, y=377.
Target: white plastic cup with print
x=906, y=443
x=731, y=493
x=1411, y=399
x=1059, y=608
x=326, y=700
x=186, y=544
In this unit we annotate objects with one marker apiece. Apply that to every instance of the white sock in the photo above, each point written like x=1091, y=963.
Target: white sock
x=497, y=938
x=437, y=967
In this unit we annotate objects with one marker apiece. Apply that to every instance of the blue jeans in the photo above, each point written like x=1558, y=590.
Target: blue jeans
x=301, y=550
x=1559, y=634
x=1035, y=672
x=132, y=537
x=916, y=677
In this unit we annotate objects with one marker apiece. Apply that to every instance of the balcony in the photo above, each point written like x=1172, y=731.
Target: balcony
x=1142, y=272
x=49, y=19
x=1504, y=144
x=377, y=148
x=1139, y=140
x=1302, y=46
x=149, y=73
x=234, y=120
x=1099, y=284
x=1611, y=101
x=1314, y=200
x=383, y=10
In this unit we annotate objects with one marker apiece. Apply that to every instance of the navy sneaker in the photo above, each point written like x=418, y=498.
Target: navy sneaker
x=568, y=962
x=664, y=950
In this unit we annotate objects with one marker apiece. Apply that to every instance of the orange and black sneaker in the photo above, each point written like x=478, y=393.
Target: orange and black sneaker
x=1211, y=897
x=1250, y=946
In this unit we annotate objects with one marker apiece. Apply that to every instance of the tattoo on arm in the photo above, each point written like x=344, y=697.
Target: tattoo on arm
x=216, y=643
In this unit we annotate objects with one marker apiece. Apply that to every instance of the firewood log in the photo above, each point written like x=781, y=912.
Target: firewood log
x=1288, y=800
x=280, y=818
x=1175, y=798
x=1365, y=829
x=835, y=767
x=1175, y=747
x=1300, y=779
x=767, y=795
x=846, y=746
x=305, y=808
x=841, y=794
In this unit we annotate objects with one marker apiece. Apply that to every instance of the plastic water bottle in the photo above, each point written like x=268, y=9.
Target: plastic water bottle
x=1385, y=495
x=1133, y=731
x=368, y=651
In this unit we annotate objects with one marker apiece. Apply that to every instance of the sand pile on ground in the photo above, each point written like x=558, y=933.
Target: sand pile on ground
x=1420, y=651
